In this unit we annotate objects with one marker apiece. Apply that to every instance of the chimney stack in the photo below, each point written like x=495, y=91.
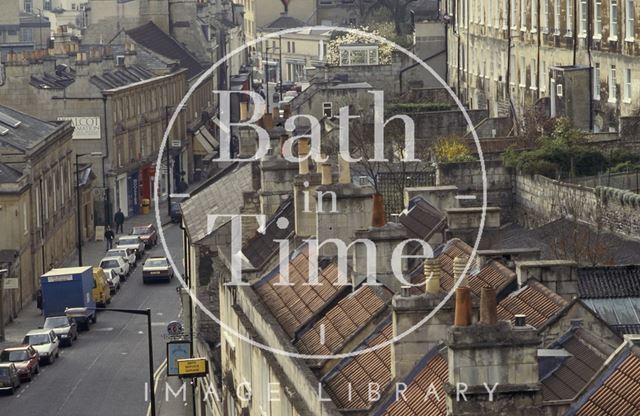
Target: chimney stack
x=432, y=275
x=345, y=171
x=326, y=174
x=303, y=150
x=488, y=306
x=463, y=306
x=377, y=216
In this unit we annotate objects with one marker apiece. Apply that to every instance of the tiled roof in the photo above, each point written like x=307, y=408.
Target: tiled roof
x=609, y=282
x=295, y=304
x=572, y=372
x=263, y=246
x=420, y=398
x=221, y=197
x=422, y=219
x=535, y=301
x=152, y=37
x=348, y=383
x=615, y=391
x=344, y=320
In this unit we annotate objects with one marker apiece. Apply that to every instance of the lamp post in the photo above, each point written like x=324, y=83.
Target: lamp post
x=168, y=148
x=2, y=271
x=78, y=216
x=147, y=312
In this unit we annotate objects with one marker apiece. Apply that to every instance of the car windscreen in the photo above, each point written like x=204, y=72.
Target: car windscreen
x=37, y=339
x=117, y=253
x=128, y=241
x=156, y=263
x=58, y=322
x=109, y=264
x=140, y=230
x=14, y=356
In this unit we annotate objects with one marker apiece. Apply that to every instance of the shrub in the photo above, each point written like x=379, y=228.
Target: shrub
x=452, y=150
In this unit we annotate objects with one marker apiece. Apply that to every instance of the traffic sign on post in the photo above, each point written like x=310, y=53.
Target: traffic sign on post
x=192, y=367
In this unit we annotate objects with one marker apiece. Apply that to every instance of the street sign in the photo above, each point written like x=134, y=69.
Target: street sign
x=192, y=367
x=176, y=350
x=176, y=143
x=11, y=283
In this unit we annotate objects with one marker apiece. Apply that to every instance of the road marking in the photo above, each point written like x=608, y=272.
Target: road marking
x=466, y=197
x=159, y=313
x=158, y=324
x=107, y=329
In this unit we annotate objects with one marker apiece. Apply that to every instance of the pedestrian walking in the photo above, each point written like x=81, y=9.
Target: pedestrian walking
x=119, y=220
x=108, y=237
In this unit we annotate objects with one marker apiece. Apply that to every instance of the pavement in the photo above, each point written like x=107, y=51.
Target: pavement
x=106, y=371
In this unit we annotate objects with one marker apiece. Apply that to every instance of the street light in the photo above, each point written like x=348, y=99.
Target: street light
x=78, y=156
x=168, y=148
x=147, y=312
x=2, y=271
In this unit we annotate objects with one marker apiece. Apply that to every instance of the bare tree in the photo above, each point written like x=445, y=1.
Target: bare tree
x=399, y=10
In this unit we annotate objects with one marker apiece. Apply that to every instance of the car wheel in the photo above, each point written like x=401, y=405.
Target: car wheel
x=12, y=391
x=30, y=376
x=94, y=319
x=37, y=369
x=69, y=342
x=51, y=359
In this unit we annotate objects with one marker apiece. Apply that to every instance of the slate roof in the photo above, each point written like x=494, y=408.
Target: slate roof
x=152, y=37
x=348, y=383
x=609, y=282
x=295, y=304
x=623, y=314
x=285, y=22
x=221, y=196
x=22, y=131
x=422, y=219
x=61, y=78
x=564, y=377
x=120, y=77
x=420, y=398
x=263, y=246
x=615, y=390
x=535, y=301
x=344, y=320
x=8, y=174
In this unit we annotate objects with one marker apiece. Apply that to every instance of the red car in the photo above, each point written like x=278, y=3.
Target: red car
x=25, y=359
x=147, y=233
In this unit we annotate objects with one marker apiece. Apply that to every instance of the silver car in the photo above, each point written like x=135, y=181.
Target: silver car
x=133, y=242
x=45, y=342
x=127, y=254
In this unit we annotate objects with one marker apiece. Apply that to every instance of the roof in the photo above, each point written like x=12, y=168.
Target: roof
x=285, y=22
x=623, y=314
x=424, y=394
x=565, y=375
x=609, y=282
x=344, y=320
x=348, y=382
x=22, y=131
x=259, y=249
x=615, y=390
x=422, y=219
x=295, y=304
x=8, y=174
x=223, y=196
x=152, y=37
x=121, y=77
x=62, y=77
x=535, y=301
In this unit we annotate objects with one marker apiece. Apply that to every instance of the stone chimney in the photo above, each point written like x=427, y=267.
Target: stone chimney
x=409, y=311
x=463, y=223
x=305, y=187
x=560, y=276
x=493, y=364
x=277, y=174
x=386, y=239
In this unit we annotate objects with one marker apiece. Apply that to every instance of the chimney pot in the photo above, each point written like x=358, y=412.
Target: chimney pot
x=520, y=320
x=459, y=263
x=432, y=274
x=303, y=150
x=405, y=291
x=377, y=216
x=326, y=174
x=463, y=307
x=345, y=171
x=488, y=306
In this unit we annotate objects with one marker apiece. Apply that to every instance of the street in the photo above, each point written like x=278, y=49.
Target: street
x=105, y=372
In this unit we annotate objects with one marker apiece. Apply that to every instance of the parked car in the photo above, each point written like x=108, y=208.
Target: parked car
x=113, y=279
x=147, y=233
x=64, y=327
x=115, y=264
x=127, y=254
x=25, y=358
x=101, y=293
x=133, y=242
x=45, y=342
x=176, y=213
x=156, y=268
x=9, y=378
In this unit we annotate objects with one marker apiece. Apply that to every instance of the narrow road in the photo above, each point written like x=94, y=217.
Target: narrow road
x=105, y=372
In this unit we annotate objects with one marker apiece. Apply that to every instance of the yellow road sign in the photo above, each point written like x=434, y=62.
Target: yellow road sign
x=192, y=367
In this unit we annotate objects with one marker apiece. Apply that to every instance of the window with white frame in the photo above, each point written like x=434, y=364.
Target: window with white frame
x=25, y=217
x=613, y=19
x=534, y=81
x=534, y=15
x=28, y=6
x=514, y=15
x=523, y=72
x=569, y=16
x=627, y=85
x=556, y=17
x=358, y=55
x=523, y=14
x=38, y=196
x=631, y=24
x=54, y=174
x=583, y=17
x=596, y=81
x=597, y=18
x=612, y=84
x=545, y=16
x=543, y=78
x=505, y=11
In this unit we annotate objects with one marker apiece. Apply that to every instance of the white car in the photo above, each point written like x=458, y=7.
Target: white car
x=117, y=264
x=127, y=254
x=45, y=342
x=133, y=242
x=113, y=279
